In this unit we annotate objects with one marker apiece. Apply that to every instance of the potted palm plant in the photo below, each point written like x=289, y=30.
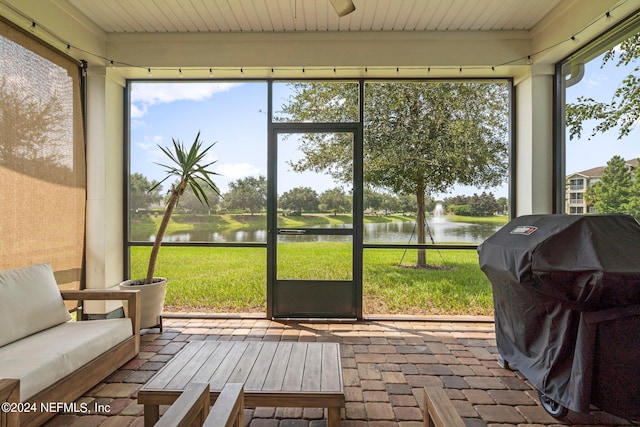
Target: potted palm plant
x=191, y=171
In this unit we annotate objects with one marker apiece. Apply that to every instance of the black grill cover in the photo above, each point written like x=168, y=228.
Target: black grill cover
x=566, y=293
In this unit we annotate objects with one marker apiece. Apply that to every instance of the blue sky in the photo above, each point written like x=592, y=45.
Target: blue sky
x=600, y=84
x=234, y=116
x=230, y=114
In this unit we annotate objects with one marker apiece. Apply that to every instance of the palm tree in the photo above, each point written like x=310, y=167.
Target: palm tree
x=188, y=168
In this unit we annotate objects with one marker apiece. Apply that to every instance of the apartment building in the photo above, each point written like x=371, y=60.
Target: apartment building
x=579, y=182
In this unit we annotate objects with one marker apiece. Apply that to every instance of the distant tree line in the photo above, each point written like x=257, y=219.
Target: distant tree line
x=249, y=195
x=484, y=204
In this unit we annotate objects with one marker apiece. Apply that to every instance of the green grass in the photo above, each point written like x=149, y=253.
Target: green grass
x=208, y=279
x=181, y=222
x=234, y=279
x=454, y=285
x=315, y=260
x=149, y=223
x=496, y=219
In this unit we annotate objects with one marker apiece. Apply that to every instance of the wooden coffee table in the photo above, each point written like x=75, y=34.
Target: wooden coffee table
x=274, y=374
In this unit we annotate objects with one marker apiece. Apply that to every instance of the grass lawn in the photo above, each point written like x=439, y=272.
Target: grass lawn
x=455, y=285
x=209, y=279
x=234, y=279
x=496, y=219
x=148, y=224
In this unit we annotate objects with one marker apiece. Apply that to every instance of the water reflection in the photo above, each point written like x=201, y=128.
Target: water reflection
x=440, y=229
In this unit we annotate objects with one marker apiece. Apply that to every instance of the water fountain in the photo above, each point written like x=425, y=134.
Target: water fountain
x=438, y=211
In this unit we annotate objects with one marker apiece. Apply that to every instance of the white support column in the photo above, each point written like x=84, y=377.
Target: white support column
x=104, y=184
x=534, y=141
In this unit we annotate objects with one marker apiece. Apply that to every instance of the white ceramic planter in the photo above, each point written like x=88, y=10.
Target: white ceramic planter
x=151, y=299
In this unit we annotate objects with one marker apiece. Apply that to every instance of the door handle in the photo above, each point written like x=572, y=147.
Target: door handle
x=292, y=231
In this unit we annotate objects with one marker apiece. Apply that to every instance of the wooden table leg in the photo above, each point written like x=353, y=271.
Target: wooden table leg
x=151, y=415
x=333, y=417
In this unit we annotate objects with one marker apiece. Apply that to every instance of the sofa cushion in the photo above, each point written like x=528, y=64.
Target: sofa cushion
x=30, y=301
x=42, y=359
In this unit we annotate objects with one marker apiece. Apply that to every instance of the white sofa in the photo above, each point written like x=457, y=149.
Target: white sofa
x=45, y=356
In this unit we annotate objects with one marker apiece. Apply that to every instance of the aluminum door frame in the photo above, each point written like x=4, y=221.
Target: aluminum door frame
x=296, y=298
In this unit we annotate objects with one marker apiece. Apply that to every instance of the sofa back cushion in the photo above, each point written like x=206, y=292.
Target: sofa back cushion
x=29, y=302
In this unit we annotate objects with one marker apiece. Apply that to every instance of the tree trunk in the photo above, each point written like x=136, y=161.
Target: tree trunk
x=420, y=222
x=173, y=201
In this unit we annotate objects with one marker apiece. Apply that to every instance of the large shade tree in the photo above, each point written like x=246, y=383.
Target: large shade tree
x=140, y=198
x=622, y=111
x=299, y=199
x=335, y=200
x=190, y=203
x=420, y=138
x=249, y=193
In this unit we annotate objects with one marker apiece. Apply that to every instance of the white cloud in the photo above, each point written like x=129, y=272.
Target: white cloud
x=138, y=111
x=234, y=171
x=151, y=147
x=145, y=94
x=150, y=143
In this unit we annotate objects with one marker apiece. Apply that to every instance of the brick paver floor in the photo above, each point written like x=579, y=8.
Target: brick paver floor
x=386, y=364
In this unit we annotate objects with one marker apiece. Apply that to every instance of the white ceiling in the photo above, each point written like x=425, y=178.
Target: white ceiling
x=193, y=16
x=292, y=38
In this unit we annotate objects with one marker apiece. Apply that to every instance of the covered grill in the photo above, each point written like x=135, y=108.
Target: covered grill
x=567, y=308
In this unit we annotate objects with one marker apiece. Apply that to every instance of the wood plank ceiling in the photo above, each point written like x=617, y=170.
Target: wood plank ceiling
x=191, y=16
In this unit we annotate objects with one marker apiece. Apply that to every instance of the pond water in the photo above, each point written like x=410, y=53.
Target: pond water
x=439, y=229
